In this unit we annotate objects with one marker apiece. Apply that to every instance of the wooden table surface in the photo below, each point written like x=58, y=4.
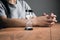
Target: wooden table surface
x=38, y=33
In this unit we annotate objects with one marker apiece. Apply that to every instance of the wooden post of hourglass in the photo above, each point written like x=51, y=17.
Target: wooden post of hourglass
x=29, y=22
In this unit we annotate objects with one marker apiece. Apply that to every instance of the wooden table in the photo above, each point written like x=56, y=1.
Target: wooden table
x=38, y=33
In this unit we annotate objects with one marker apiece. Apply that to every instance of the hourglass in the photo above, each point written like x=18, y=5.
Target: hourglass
x=29, y=16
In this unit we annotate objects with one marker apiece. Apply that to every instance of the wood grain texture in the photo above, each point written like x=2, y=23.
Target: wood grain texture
x=38, y=33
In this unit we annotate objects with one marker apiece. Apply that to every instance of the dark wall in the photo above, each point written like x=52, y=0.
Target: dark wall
x=48, y=6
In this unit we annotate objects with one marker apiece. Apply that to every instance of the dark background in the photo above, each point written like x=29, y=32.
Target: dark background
x=48, y=6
